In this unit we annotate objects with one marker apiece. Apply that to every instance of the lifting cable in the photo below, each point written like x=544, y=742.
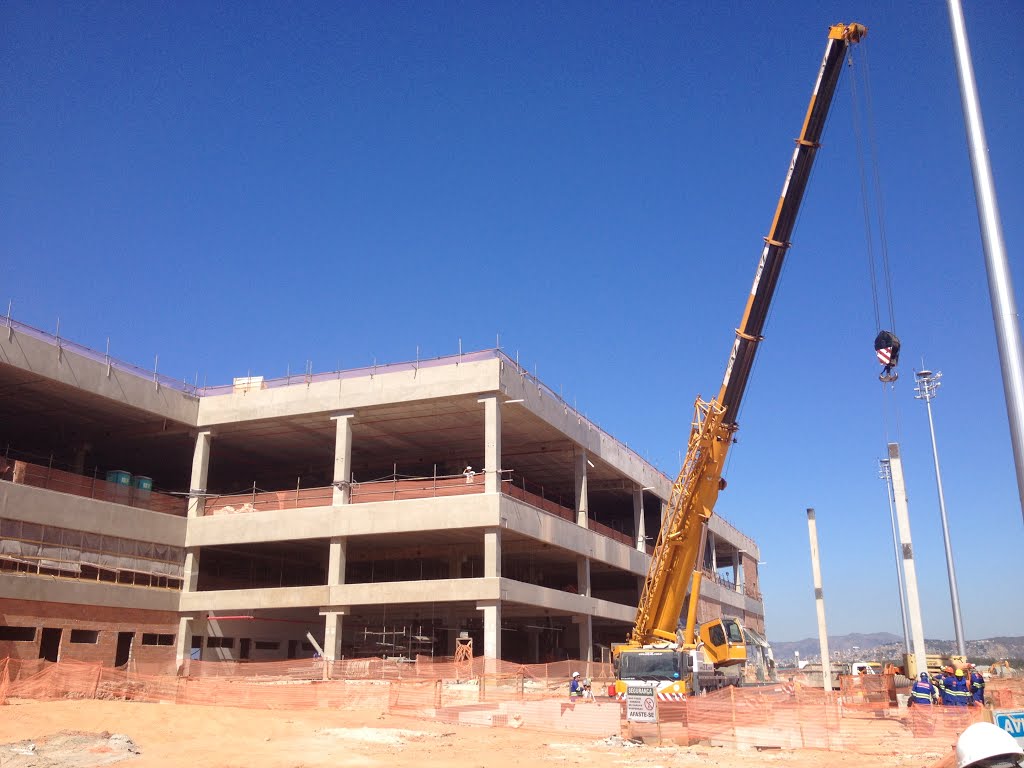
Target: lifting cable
x=871, y=192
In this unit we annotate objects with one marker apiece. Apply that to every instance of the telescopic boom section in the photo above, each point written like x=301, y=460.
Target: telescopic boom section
x=695, y=491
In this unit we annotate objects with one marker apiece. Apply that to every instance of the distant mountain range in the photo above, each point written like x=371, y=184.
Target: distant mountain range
x=887, y=646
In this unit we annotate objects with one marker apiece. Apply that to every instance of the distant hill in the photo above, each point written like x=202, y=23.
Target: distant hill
x=809, y=647
x=887, y=646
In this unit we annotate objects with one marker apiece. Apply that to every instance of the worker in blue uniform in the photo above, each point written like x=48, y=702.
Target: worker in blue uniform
x=977, y=684
x=923, y=692
x=575, y=687
x=956, y=692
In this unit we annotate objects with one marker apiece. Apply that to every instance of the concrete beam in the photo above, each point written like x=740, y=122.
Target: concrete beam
x=347, y=394
x=369, y=519
x=63, y=510
x=48, y=589
x=41, y=357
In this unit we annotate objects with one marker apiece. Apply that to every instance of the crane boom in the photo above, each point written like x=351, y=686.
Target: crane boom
x=696, y=489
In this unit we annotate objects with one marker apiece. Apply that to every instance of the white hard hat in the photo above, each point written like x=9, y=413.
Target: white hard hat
x=575, y=674
x=982, y=741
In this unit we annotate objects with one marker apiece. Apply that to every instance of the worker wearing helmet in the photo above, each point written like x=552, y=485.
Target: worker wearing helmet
x=923, y=692
x=957, y=691
x=976, y=682
x=984, y=744
x=575, y=687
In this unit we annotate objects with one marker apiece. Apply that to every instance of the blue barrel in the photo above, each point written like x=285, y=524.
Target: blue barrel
x=120, y=477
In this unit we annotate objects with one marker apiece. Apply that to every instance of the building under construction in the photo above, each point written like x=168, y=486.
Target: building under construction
x=393, y=511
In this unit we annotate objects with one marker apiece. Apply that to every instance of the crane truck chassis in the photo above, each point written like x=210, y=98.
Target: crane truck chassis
x=675, y=661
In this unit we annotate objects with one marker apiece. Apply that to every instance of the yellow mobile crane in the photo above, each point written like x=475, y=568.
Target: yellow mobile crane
x=655, y=654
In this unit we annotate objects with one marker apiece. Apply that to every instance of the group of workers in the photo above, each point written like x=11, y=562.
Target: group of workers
x=951, y=688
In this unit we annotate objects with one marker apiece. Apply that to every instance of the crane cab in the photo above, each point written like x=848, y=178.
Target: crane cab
x=724, y=643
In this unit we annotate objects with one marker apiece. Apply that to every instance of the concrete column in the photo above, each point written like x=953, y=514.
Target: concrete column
x=582, y=507
x=455, y=565
x=342, y=457
x=492, y=443
x=492, y=553
x=583, y=575
x=586, y=625
x=190, y=573
x=819, y=600
x=899, y=493
x=638, y=520
x=714, y=552
x=183, y=647
x=492, y=632
x=533, y=642
x=200, y=473
x=336, y=559
x=190, y=576
x=452, y=631
x=332, y=636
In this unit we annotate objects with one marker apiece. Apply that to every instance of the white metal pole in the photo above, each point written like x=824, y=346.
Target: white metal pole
x=1000, y=281
x=954, y=595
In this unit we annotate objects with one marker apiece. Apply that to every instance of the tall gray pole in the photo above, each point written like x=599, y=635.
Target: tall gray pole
x=1000, y=281
x=927, y=383
x=819, y=599
x=885, y=473
x=899, y=492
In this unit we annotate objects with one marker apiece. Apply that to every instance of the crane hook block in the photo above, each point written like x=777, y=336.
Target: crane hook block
x=887, y=350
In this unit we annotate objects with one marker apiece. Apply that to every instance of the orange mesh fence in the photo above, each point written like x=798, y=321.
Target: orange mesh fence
x=861, y=718
x=1004, y=692
x=5, y=682
x=64, y=680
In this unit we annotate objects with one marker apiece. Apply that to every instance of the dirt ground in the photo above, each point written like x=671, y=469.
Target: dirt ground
x=83, y=734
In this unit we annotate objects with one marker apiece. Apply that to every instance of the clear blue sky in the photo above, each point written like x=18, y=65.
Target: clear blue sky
x=244, y=186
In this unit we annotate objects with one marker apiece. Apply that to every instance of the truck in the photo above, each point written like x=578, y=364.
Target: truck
x=681, y=661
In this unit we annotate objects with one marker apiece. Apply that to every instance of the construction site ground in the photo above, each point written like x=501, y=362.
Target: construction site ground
x=47, y=734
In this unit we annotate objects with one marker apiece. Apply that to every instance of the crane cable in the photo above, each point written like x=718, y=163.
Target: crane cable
x=871, y=190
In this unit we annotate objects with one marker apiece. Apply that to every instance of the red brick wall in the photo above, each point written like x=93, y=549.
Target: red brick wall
x=107, y=621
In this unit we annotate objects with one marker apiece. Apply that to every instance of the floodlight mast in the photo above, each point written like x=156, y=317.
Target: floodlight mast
x=927, y=384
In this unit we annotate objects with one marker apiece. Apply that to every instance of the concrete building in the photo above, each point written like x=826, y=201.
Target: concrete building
x=386, y=511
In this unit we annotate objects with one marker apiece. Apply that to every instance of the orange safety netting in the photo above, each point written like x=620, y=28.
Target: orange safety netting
x=5, y=682
x=862, y=718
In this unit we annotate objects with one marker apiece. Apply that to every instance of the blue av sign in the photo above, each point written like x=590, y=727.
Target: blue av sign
x=1011, y=721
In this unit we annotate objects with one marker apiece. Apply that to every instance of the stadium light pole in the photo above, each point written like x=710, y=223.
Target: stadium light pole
x=927, y=383
x=1000, y=280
